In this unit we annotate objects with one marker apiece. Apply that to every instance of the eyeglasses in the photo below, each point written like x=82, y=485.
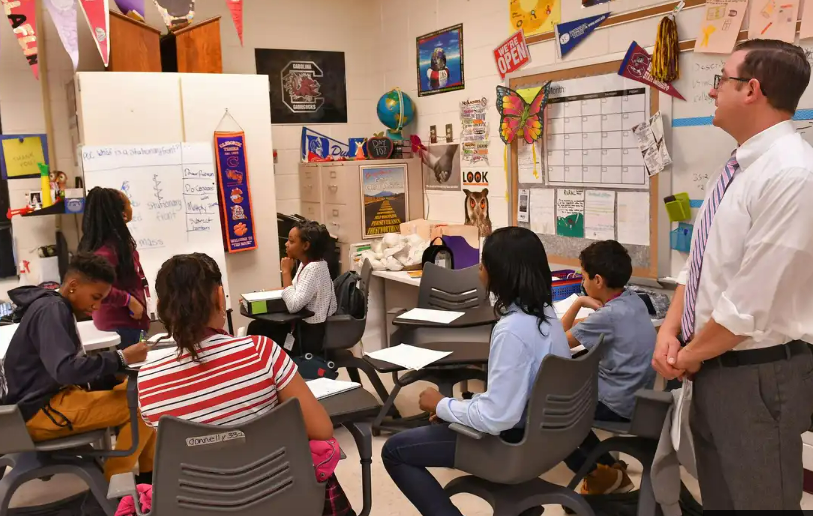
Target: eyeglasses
x=719, y=79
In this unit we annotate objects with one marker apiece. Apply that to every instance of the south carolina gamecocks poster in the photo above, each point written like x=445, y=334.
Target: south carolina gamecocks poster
x=307, y=86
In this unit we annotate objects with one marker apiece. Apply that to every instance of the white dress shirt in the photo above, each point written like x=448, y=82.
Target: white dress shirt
x=757, y=275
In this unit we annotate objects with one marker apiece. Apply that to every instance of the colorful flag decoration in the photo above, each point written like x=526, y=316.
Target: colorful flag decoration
x=97, y=13
x=637, y=65
x=569, y=34
x=132, y=8
x=63, y=14
x=236, y=9
x=22, y=16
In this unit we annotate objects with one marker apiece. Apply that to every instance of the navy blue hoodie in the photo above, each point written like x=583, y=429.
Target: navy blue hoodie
x=45, y=354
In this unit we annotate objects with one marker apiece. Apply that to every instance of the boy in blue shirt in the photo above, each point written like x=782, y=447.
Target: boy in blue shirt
x=629, y=341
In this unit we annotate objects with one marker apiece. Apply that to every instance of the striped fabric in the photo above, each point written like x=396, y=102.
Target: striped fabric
x=236, y=380
x=699, y=246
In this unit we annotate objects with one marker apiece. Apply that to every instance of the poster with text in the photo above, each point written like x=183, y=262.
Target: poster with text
x=385, y=200
x=534, y=16
x=441, y=167
x=570, y=212
x=720, y=26
x=307, y=86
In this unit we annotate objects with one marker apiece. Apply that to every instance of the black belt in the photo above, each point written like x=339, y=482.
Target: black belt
x=759, y=356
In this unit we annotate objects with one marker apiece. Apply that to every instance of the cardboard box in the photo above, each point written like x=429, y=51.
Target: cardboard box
x=258, y=303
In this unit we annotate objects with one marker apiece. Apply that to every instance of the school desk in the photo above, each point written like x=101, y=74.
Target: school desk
x=92, y=339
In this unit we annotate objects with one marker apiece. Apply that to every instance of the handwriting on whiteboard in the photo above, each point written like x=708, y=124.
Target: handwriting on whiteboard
x=158, y=150
x=700, y=179
x=701, y=86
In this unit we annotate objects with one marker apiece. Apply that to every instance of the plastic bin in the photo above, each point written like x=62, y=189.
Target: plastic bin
x=680, y=238
x=566, y=282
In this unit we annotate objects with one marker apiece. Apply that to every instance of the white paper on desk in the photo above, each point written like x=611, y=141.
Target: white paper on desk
x=633, y=218
x=409, y=357
x=543, y=211
x=561, y=307
x=435, y=316
x=263, y=296
x=325, y=387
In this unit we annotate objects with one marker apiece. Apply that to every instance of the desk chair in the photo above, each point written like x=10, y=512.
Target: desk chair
x=638, y=439
x=257, y=468
x=73, y=454
x=344, y=331
x=560, y=413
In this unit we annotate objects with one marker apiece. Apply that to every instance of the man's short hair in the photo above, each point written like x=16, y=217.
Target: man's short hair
x=92, y=267
x=781, y=68
x=609, y=259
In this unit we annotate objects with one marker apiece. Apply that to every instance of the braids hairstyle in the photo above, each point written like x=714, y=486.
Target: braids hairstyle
x=320, y=242
x=103, y=223
x=186, y=286
x=518, y=271
x=92, y=268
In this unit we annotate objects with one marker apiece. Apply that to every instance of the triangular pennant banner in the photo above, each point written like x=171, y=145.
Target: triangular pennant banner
x=569, y=34
x=63, y=13
x=236, y=8
x=637, y=65
x=97, y=14
x=176, y=13
x=23, y=18
x=132, y=8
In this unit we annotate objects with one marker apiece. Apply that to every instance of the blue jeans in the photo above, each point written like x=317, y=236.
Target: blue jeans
x=129, y=336
x=577, y=459
x=406, y=456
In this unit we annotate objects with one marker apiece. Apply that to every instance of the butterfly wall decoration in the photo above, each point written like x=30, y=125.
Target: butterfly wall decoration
x=518, y=118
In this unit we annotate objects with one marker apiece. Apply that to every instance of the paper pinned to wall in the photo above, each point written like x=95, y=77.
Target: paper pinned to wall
x=773, y=19
x=649, y=136
x=570, y=213
x=543, y=214
x=22, y=153
x=522, y=206
x=633, y=218
x=599, y=214
x=529, y=162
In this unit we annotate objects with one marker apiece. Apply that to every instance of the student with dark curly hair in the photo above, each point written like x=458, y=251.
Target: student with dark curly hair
x=515, y=271
x=50, y=378
x=105, y=233
x=310, y=287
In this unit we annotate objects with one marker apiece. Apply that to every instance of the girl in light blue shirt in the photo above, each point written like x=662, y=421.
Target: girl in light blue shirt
x=515, y=271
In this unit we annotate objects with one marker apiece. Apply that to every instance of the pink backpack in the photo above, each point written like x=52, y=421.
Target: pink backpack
x=326, y=455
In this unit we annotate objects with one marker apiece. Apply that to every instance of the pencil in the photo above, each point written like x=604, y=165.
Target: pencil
x=766, y=28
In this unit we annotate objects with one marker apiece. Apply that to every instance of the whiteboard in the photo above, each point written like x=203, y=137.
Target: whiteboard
x=699, y=150
x=172, y=188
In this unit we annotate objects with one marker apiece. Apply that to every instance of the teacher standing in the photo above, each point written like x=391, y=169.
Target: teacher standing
x=744, y=306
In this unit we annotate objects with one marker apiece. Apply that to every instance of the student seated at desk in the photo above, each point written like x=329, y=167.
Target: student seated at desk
x=515, y=271
x=311, y=288
x=50, y=378
x=629, y=341
x=105, y=233
x=214, y=378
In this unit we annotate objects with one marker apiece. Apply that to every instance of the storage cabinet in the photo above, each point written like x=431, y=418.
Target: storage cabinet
x=331, y=194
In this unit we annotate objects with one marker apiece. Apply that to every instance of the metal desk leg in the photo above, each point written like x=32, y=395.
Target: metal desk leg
x=363, y=436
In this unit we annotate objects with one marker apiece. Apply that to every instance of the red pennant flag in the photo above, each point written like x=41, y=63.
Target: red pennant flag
x=637, y=65
x=22, y=16
x=97, y=13
x=236, y=8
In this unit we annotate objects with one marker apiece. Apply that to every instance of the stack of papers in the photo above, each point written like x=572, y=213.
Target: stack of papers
x=564, y=305
x=325, y=387
x=435, y=316
x=409, y=357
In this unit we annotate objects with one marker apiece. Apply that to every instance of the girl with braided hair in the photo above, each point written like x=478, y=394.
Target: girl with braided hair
x=105, y=233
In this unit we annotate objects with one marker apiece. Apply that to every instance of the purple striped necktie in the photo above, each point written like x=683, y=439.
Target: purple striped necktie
x=699, y=247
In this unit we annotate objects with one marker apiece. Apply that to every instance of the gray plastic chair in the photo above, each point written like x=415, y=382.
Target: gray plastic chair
x=254, y=469
x=345, y=331
x=638, y=439
x=72, y=455
x=560, y=414
x=450, y=289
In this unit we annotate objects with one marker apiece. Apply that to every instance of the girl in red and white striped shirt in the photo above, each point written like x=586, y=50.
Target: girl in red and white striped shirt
x=215, y=378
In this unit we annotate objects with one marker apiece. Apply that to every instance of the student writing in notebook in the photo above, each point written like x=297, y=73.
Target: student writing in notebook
x=629, y=341
x=515, y=271
x=105, y=233
x=215, y=378
x=308, y=287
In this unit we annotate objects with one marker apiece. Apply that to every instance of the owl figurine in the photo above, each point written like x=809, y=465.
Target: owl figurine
x=476, y=210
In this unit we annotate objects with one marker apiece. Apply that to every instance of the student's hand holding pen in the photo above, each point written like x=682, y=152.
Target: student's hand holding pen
x=136, y=353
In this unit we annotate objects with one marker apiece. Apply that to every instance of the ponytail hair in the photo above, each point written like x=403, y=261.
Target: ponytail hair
x=321, y=244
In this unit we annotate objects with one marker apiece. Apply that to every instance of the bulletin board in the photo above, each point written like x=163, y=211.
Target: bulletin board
x=564, y=249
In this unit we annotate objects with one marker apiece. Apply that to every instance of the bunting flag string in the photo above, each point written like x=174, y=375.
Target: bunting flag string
x=236, y=9
x=23, y=18
x=97, y=13
x=63, y=13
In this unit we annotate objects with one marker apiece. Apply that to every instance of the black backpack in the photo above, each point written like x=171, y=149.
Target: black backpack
x=436, y=253
x=349, y=299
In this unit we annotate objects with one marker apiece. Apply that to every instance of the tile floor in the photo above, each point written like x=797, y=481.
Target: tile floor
x=387, y=499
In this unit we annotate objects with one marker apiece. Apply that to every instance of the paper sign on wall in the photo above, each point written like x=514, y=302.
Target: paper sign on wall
x=570, y=213
x=633, y=218
x=523, y=205
x=599, y=215
x=773, y=19
x=543, y=215
x=806, y=30
x=21, y=153
x=512, y=54
x=720, y=26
